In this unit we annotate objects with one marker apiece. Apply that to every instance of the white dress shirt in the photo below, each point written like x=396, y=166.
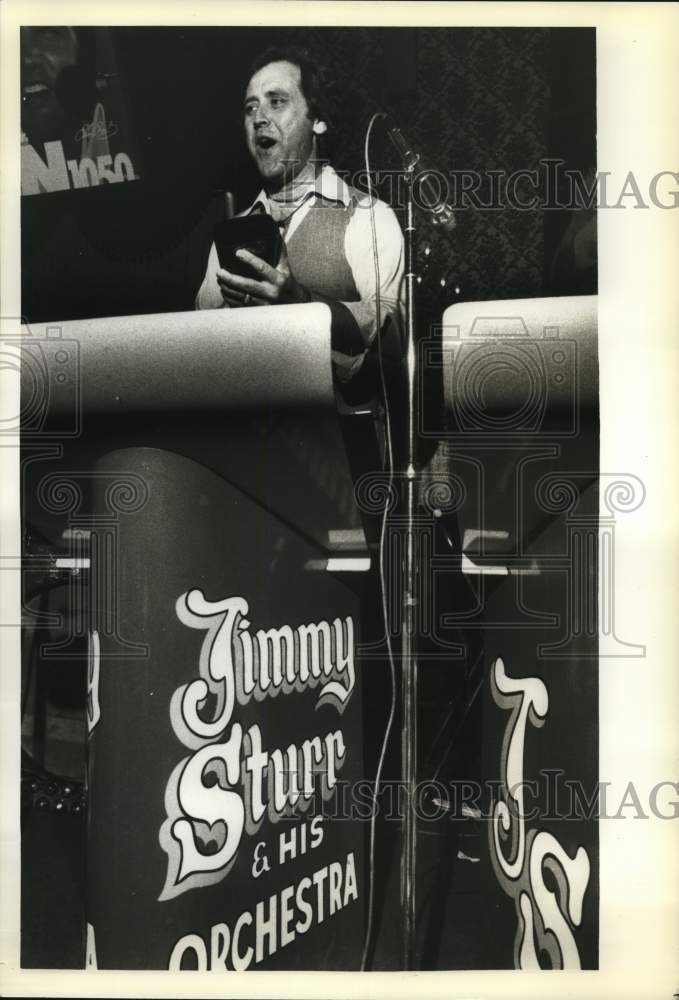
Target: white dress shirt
x=329, y=187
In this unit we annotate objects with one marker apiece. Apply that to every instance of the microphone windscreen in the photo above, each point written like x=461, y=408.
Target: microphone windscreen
x=403, y=148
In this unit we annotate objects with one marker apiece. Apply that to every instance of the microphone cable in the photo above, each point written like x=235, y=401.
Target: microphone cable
x=389, y=454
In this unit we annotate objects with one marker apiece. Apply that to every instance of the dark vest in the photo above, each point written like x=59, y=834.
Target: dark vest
x=316, y=252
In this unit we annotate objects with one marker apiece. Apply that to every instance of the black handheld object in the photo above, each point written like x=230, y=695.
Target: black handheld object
x=257, y=233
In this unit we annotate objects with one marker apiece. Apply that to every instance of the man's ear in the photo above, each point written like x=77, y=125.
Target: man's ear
x=319, y=127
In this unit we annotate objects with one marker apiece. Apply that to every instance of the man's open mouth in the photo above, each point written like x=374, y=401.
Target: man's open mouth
x=264, y=142
x=34, y=89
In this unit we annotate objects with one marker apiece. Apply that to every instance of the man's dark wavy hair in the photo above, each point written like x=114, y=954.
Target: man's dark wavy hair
x=316, y=86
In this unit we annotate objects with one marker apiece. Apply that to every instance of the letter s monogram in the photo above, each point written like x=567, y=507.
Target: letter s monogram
x=211, y=804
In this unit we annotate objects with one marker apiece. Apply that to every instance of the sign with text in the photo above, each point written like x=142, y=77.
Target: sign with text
x=215, y=764
x=74, y=126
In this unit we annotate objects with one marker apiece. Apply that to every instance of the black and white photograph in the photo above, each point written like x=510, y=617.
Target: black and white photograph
x=339, y=357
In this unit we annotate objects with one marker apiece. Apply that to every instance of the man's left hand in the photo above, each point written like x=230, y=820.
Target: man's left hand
x=271, y=286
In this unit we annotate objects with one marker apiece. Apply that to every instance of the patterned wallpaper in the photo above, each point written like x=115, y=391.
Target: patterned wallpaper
x=470, y=99
x=484, y=93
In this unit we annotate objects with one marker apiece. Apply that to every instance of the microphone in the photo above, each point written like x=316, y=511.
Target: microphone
x=430, y=195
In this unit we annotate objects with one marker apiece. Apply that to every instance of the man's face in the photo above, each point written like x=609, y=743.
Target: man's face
x=45, y=53
x=278, y=129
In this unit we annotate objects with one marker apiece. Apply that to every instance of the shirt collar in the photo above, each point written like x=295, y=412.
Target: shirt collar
x=329, y=187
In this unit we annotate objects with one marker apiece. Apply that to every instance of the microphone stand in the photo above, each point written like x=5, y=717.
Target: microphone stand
x=410, y=600
x=441, y=214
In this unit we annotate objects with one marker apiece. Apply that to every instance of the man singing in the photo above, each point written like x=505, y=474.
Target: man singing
x=325, y=224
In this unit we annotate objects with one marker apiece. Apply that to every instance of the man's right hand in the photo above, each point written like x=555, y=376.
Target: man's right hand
x=233, y=297
x=268, y=285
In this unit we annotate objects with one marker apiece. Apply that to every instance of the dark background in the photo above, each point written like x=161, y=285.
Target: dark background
x=469, y=99
x=473, y=99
